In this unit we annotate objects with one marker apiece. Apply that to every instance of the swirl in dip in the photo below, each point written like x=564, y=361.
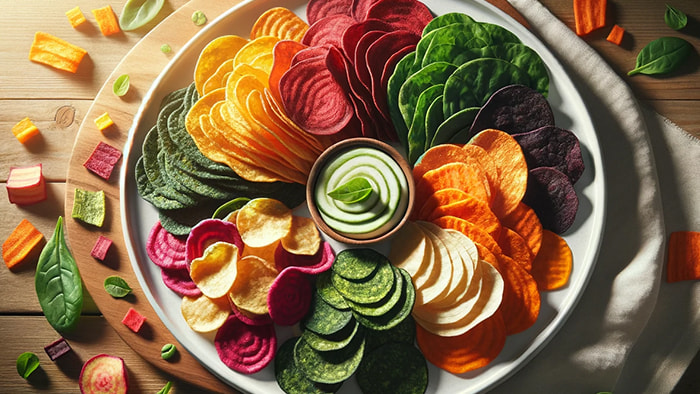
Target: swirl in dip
x=373, y=216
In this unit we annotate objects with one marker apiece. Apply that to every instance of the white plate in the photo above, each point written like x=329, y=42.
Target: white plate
x=584, y=237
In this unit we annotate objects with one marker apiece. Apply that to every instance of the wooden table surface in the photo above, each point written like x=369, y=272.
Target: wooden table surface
x=57, y=102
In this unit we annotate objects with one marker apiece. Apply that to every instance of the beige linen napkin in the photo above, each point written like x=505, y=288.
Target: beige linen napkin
x=631, y=331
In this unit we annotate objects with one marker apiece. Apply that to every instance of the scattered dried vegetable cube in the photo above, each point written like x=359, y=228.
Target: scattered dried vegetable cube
x=683, y=256
x=55, y=52
x=104, y=121
x=75, y=16
x=102, y=245
x=57, y=348
x=24, y=130
x=103, y=159
x=133, y=320
x=21, y=242
x=107, y=20
x=89, y=207
x=26, y=185
x=616, y=35
x=589, y=15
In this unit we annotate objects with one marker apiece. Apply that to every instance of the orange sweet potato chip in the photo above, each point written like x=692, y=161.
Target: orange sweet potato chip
x=552, y=266
x=521, y=298
x=524, y=221
x=683, y=256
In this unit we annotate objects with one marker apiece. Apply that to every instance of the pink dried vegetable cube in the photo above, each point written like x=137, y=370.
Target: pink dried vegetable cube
x=133, y=320
x=103, y=159
x=26, y=185
x=102, y=245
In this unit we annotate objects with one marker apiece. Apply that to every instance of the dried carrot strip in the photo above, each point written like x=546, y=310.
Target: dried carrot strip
x=552, y=265
x=683, y=256
x=75, y=17
x=24, y=130
x=55, y=52
x=21, y=242
x=106, y=20
x=589, y=15
x=616, y=34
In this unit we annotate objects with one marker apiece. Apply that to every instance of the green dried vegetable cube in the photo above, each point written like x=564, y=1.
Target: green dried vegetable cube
x=89, y=207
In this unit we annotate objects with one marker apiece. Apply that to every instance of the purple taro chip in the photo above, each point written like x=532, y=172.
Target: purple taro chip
x=514, y=109
x=57, y=349
x=551, y=195
x=552, y=146
x=178, y=280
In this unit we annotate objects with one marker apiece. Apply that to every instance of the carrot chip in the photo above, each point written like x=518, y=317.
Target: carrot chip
x=589, y=15
x=106, y=20
x=21, y=242
x=55, y=52
x=683, y=256
x=616, y=35
x=24, y=130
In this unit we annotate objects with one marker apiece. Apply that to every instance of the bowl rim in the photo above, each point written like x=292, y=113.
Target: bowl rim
x=333, y=151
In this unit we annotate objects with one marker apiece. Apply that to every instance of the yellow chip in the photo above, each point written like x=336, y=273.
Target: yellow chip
x=281, y=23
x=266, y=253
x=249, y=291
x=219, y=77
x=215, y=272
x=204, y=314
x=213, y=55
x=304, y=237
x=263, y=221
x=255, y=48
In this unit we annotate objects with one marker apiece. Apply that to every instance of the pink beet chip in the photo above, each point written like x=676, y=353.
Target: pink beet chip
x=250, y=319
x=289, y=296
x=311, y=265
x=244, y=348
x=102, y=245
x=103, y=159
x=133, y=320
x=165, y=249
x=207, y=232
x=179, y=281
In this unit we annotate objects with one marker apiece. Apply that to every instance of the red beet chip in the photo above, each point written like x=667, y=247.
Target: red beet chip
x=101, y=247
x=312, y=265
x=289, y=296
x=313, y=98
x=179, y=281
x=360, y=57
x=103, y=159
x=353, y=34
x=317, y=9
x=316, y=53
x=551, y=195
x=552, y=146
x=207, y=232
x=514, y=109
x=409, y=15
x=244, y=348
x=249, y=318
x=165, y=249
x=360, y=7
x=327, y=31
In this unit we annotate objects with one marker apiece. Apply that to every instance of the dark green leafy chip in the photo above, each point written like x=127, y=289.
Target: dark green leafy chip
x=329, y=367
x=398, y=313
x=324, y=319
x=372, y=290
x=357, y=264
x=395, y=367
x=291, y=379
x=328, y=292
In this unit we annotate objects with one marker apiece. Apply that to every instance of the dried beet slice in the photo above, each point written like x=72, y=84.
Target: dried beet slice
x=179, y=281
x=165, y=249
x=209, y=231
x=552, y=146
x=354, y=32
x=384, y=47
x=359, y=8
x=551, y=194
x=249, y=318
x=314, y=100
x=328, y=31
x=409, y=15
x=360, y=56
x=245, y=348
x=289, y=297
x=514, y=109
x=317, y=9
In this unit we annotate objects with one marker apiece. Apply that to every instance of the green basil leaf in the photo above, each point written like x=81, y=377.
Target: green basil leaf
x=675, y=18
x=121, y=85
x=137, y=13
x=662, y=56
x=27, y=363
x=58, y=283
x=355, y=190
x=116, y=287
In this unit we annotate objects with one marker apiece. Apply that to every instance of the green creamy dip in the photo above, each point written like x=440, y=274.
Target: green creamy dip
x=374, y=215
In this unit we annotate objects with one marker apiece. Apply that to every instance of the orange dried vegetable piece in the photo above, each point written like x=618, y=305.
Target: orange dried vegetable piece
x=106, y=20
x=24, y=130
x=552, y=265
x=75, y=16
x=521, y=298
x=282, y=56
x=524, y=221
x=279, y=22
x=456, y=175
x=472, y=210
x=55, y=52
x=463, y=353
x=616, y=34
x=21, y=242
x=683, y=256
x=516, y=247
x=589, y=15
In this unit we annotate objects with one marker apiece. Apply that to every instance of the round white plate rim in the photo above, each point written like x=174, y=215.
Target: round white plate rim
x=505, y=365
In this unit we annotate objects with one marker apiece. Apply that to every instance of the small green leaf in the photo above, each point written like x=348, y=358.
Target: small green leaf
x=27, y=363
x=166, y=388
x=355, y=190
x=662, y=56
x=675, y=18
x=116, y=287
x=199, y=18
x=137, y=13
x=168, y=351
x=121, y=85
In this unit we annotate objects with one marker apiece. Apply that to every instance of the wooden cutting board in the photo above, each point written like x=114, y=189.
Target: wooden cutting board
x=143, y=64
